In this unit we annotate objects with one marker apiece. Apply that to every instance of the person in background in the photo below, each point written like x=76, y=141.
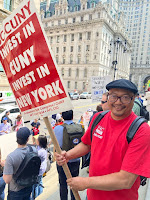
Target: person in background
x=5, y=127
x=59, y=120
x=86, y=117
x=41, y=142
x=12, y=164
x=8, y=119
x=35, y=129
x=81, y=121
x=137, y=105
x=2, y=182
x=104, y=102
x=72, y=164
x=18, y=123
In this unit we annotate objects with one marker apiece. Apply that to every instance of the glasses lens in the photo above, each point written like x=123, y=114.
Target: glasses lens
x=112, y=98
x=125, y=99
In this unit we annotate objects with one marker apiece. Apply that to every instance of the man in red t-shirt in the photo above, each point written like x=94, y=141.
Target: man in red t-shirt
x=115, y=165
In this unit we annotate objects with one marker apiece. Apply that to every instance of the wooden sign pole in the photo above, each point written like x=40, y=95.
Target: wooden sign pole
x=58, y=149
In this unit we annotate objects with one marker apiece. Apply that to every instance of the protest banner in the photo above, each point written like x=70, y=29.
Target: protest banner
x=98, y=87
x=31, y=68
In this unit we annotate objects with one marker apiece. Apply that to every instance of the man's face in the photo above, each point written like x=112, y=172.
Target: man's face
x=104, y=103
x=5, y=121
x=7, y=113
x=119, y=109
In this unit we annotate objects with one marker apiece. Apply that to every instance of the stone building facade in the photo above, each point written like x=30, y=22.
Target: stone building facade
x=83, y=39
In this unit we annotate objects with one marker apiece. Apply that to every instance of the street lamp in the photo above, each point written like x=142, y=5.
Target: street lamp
x=116, y=44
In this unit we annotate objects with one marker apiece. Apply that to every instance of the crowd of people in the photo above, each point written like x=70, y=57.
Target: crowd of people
x=115, y=165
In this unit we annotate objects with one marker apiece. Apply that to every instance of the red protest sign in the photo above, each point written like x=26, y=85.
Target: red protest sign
x=29, y=64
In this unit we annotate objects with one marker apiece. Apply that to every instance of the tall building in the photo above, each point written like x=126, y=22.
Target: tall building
x=137, y=19
x=88, y=39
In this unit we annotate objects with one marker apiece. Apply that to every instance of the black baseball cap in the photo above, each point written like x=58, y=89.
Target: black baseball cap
x=123, y=84
x=23, y=133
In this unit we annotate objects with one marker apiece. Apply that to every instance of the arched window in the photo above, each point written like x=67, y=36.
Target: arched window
x=69, y=72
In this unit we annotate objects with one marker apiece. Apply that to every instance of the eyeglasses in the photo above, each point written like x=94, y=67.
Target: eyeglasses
x=126, y=99
x=102, y=102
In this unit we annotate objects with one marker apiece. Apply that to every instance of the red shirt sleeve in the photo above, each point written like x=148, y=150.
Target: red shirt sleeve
x=137, y=157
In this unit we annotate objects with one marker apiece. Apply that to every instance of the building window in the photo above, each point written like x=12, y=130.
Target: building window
x=81, y=18
x=69, y=72
x=57, y=39
x=62, y=72
x=80, y=36
x=68, y=84
x=59, y=22
x=65, y=38
x=64, y=49
x=85, y=72
x=57, y=60
x=74, y=20
x=87, y=47
x=90, y=17
x=76, y=85
x=87, y=59
x=57, y=49
x=66, y=21
x=79, y=48
x=72, y=37
x=77, y=72
x=71, y=49
x=71, y=59
x=83, y=85
x=88, y=35
x=51, y=40
x=64, y=60
x=78, y=59
x=8, y=5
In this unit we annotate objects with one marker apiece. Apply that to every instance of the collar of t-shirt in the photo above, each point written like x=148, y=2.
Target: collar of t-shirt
x=68, y=122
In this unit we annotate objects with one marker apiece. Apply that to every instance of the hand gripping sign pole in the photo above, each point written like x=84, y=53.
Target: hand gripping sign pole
x=58, y=149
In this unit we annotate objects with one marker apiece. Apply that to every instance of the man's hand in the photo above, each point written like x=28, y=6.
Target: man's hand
x=2, y=163
x=61, y=159
x=77, y=183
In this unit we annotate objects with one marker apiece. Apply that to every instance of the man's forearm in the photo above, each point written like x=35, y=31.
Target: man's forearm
x=115, y=181
x=78, y=151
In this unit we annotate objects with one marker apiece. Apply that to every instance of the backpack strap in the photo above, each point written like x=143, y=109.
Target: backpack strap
x=30, y=148
x=138, y=104
x=134, y=127
x=97, y=120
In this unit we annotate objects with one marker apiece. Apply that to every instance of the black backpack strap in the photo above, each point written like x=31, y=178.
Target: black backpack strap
x=138, y=104
x=134, y=127
x=97, y=120
x=30, y=148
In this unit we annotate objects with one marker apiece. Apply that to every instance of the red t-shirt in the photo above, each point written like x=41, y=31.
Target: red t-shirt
x=110, y=152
